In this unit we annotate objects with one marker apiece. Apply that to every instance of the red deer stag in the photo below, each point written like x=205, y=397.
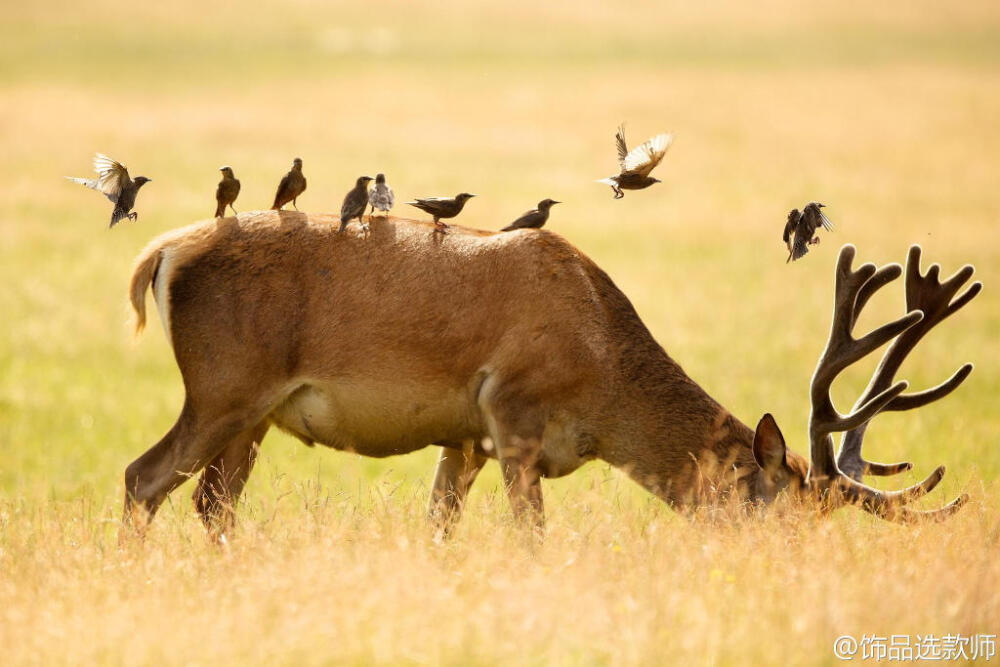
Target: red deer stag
x=381, y=344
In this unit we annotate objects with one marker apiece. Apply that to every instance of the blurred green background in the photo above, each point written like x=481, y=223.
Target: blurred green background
x=886, y=112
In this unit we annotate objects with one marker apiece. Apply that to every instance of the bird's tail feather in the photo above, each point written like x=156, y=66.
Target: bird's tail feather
x=607, y=181
x=86, y=182
x=220, y=210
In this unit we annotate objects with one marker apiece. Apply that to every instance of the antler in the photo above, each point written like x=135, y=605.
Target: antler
x=928, y=302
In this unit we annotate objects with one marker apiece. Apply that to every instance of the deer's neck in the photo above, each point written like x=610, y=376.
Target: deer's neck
x=678, y=441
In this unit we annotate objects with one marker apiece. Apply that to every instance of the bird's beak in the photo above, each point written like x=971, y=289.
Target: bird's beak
x=556, y=202
x=821, y=205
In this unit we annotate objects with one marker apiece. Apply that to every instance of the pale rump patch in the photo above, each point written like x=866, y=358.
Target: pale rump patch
x=161, y=289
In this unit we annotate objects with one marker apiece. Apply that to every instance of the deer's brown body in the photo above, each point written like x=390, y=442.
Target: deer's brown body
x=387, y=342
x=384, y=344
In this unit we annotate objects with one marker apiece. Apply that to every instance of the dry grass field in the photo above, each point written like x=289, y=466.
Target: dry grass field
x=887, y=112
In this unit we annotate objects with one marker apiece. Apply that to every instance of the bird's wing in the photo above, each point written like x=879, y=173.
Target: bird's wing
x=526, y=220
x=621, y=145
x=827, y=223
x=390, y=196
x=642, y=159
x=793, y=219
x=282, y=188
x=112, y=175
x=787, y=234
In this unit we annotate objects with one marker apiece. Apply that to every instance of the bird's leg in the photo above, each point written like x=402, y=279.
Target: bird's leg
x=294, y=204
x=133, y=216
x=234, y=209
x=618, y=193
x=365, y=227
x=815, y=241
x=440, y=227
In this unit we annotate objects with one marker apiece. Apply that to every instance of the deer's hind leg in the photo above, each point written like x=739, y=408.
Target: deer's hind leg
x=196, y=439
x=223, y=479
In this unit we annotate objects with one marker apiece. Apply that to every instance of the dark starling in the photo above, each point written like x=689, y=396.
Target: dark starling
x=800, y=229
x=636, y=165
x=380, y=195
x=355, y=202
x=442, y=207
x=113, y=180
x=533, y=219
x=227, y=192
x=291, y=186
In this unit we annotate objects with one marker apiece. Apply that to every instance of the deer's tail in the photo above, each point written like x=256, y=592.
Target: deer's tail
x=146, y=266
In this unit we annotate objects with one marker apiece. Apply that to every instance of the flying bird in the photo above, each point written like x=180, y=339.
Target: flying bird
x=355, y=202
x=442, y=207
x=227, y=192
x=800, y=229
x=114, y=182
x=636, y=164
x=380, y=195
x=533, y=219
x=291, y=186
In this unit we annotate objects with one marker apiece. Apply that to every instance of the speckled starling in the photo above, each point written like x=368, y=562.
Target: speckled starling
x=113, y=180
x=800, y=229
x=227, y=192
x=355, y=202
x=636, y=164
x=442, y=207
x=380, y=195
x=533, y=219
x=291, y=186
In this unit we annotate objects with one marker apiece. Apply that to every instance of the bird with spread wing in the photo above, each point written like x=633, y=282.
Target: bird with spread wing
x=636, y=164
x=800, y=229
x=114, y=183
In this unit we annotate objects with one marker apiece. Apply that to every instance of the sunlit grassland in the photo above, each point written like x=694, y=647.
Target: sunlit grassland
x=886, y=113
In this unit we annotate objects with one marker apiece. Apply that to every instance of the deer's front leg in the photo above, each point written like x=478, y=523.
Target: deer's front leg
x=522, y=478
x=456, y=470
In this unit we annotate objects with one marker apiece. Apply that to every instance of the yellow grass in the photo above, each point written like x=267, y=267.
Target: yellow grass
x=885, y=111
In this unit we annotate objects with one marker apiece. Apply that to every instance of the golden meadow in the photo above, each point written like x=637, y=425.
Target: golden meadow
x=887, y=112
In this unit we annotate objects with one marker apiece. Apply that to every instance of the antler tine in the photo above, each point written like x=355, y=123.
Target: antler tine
x=885, y=275
x=891, y=507
x=910, y=516
x=853, y=289
x=936, y=300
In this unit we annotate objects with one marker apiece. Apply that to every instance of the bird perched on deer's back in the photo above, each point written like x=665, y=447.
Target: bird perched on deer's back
x=442, y=207
x=636, y=164
x=533, y=219
x=800, y=229
x=355, y=202
x=380, y=195
x=291, y=186
x=227, y=192
x=114, y=182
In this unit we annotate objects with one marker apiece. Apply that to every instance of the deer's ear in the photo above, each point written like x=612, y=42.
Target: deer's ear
x=768, y=444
